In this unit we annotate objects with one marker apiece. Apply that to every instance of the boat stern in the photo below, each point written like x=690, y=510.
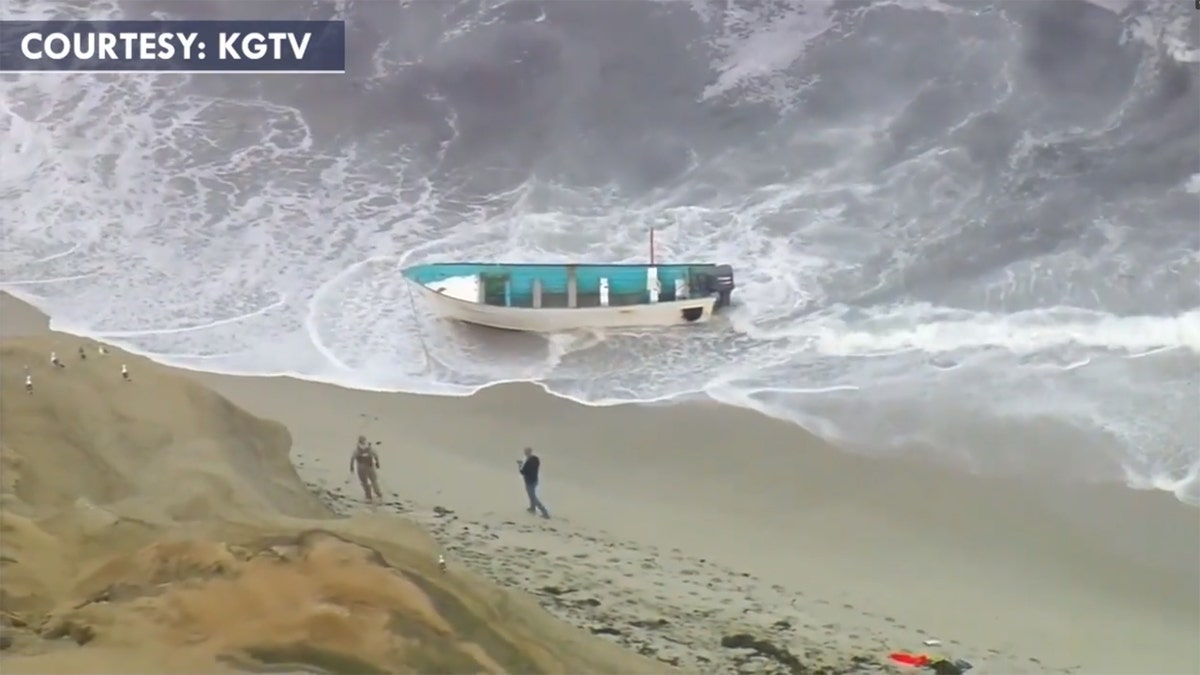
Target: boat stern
x=717, y=281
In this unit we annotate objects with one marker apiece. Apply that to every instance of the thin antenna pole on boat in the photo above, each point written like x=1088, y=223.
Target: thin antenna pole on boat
x=652, y=246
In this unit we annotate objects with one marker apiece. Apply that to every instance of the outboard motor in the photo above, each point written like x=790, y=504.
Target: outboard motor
x=719, y=281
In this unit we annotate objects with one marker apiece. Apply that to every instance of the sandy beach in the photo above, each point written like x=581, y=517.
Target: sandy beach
x=149, y=526
x=696, y=537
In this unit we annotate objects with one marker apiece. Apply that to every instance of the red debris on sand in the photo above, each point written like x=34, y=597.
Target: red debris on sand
x=908, y=659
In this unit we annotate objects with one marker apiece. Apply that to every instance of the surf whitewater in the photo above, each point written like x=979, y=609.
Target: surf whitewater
x=960, y=229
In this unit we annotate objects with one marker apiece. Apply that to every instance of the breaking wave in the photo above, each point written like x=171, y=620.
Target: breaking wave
x=960, y=229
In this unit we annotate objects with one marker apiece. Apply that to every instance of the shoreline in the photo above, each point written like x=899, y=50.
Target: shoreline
x=1118, y=476
x=856, y=555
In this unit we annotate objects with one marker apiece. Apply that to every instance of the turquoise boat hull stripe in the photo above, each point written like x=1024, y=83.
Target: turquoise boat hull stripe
x=622, y=279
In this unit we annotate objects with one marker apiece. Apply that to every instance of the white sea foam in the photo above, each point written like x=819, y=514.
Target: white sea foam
x=223, y=230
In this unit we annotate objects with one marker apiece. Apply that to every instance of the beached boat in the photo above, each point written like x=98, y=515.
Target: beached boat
x=551, y=298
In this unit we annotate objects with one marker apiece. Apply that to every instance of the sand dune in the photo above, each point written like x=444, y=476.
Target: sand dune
x=703, y=537
x=153, y=526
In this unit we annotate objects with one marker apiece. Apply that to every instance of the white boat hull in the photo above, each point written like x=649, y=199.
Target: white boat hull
x=558, y=320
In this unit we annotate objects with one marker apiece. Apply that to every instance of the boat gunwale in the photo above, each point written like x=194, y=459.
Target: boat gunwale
x=479, y=264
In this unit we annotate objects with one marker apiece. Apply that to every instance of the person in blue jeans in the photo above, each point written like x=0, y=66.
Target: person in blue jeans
x=529, y=471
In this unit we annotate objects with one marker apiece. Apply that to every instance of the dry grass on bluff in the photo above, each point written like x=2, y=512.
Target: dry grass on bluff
x=152, y=526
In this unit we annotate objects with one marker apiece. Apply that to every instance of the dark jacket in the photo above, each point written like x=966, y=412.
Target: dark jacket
x=529, y=468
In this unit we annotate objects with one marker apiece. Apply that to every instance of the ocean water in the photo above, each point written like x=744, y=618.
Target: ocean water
x=966, y=230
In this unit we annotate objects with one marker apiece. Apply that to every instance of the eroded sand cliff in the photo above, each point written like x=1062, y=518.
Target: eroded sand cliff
x=151, y=525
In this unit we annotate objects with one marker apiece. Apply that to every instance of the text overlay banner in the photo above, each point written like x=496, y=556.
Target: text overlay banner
x=198, y=46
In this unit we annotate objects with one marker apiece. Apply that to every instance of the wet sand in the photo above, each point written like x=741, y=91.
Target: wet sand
x=678, y=527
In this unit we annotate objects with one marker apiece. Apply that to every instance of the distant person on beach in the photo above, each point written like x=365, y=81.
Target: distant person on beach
x=364, y=462
x=529, y=471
